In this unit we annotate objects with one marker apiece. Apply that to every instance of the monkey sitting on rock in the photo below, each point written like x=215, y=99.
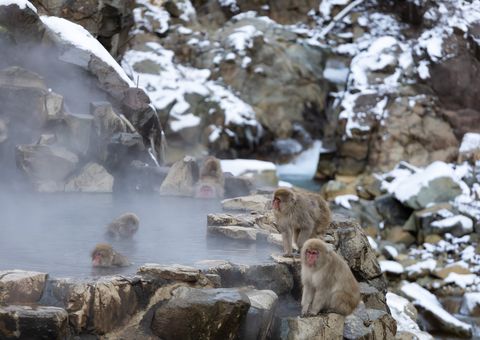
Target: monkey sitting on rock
x=328, y=283
x=299, y=216
x=104, y=256
x=123, y=227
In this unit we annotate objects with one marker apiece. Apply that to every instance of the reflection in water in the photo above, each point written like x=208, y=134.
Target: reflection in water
x=56, y=233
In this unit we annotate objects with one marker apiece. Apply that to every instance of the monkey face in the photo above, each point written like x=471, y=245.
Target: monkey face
x=276, y=203
x=206, y=191
x=102, y=258
x=311, y=256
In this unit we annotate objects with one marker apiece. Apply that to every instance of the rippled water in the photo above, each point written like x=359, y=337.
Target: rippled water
x=56, y=233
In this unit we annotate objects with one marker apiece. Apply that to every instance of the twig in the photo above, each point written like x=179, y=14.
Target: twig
x=127, y=122
x=339, y=17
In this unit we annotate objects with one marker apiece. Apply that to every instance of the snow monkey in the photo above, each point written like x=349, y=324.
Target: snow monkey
x=328, y=283
x=302, y=215
x=104, y=256
x=211, y=183
x=123, y=226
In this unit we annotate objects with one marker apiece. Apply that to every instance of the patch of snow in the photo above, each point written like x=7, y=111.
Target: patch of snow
x=470, y=142
x=22, y=4
x=184, y=30
x=186, y=121
x=419, y=267
x=391, y=250
x=241, y=166
x=462, y=280
x=344, y=200
x=285, y=184
x=372, y=243
x=303, y=165
x=326, y=6
x=449, y=222
x=423, y=298
x=144, y=16
x=82, y=39
x=231, y=4
x=470, y=302
x=391, y=267
x=242, y=38
x=431, y=41
x=187, y=9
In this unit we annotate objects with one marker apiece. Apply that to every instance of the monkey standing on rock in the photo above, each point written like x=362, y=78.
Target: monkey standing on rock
x=328, y=283
x=300, y=215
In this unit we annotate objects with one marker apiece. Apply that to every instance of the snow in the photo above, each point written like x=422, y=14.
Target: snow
x=325, y=7
x=187, y=121
x=154, y=13
x=423, y=298
x=470, y=142
x=410, y=186
x=391, y=267
x=422, y=69
x=432, y=41
x=470, y=302
x=449, y=222
x=399, y=307
x=82, y=39
x=285, y=184
x=242, y=166
x=462, y=280
x=22, y=4
x=372, y=243
x=419, y=267
x=344, y=200
x=392, y=251
x=231, y=4
x=242, y=38
x=303, y=165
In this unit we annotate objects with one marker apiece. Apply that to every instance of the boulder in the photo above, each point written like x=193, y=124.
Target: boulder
x=260, y=316
x=393, y=212
x=25, y=322
x=181, y=178
x=369, y=324
x=236, y=232
x=18, y=286
x=92, y=178
x=247, y=203
x=470, y=304
x=211, y=314
x=323, y=326
x=372, y=297
x=175, y=273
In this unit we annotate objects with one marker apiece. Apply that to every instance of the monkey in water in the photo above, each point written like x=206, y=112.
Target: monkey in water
x=212, y=181
x=123, y=226
x=328, y=283
x=104, y=256
x=299, y=215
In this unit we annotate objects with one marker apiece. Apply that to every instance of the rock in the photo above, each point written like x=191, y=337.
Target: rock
x=397, y=235
x=334, y=188
x=46, y=165
x=271, y=276
x=247, y=203
x=420, y=269
x=173, y=273
x=105, y=121
x=25, y=322
x=54, y=106
x=372, y=297
x=471, y=304
x=212, y=314
x=3, y=131
x=457, y=225
x=18, y=286
x=393, y=212
x=423, y=218
x=469, y=148
x=455, y=268
x=78, y=132
x=391, y=267
x=436, y=318
x=235, y=232
x=369, y=324
x=238, y=186
x=92, y=178
x=259, y=319
x=433, y=239
x=181, y=178
x=435, y=184
x=405, y=315
x=324, y=326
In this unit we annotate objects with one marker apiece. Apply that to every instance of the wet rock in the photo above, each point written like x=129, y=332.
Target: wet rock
x=272, y=276
x=262, y=220
x=42, y=322
x=334, y=188
x=393, y=212
x=47, y=166
x=78, y=132
x=54, y=106
x=18, y=286
x=435, y=317
x=398, y=235
x=369, y=324
x=3, y=131
x=212, y=314
x=247, y=203
x=174, y=273
x=236, y=232
x=106, y=122
x=238, y=186
x=471, y=304
x=181, y=178
x=92, y=178
x=259, y=319
x=455, y=268
x=324, y=326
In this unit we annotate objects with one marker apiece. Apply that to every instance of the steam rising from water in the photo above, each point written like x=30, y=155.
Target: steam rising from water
x=56, y=233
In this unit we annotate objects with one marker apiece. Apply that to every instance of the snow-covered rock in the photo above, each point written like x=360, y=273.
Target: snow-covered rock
x=470, y=304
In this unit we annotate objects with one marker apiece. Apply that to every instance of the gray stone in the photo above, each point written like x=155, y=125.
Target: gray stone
x=211, y=314
x=366, y=324
x=181, y=178
x=25, y=322
x=92, y=178
x=247, y=203
x=235, y=232
x=321, y=327
x=78, y=132
x=259, y=319
x=18, y=286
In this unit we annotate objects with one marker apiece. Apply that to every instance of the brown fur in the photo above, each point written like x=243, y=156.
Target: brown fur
x=300, y=215
x=124, y=226
x=329, y=284
x=104, y=256
x=212, y=181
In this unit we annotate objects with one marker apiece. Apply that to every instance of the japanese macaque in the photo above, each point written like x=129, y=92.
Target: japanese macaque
x=299, y=216
x=328, y=283
x=211, y=183
x=104, y=256
x=124, y=226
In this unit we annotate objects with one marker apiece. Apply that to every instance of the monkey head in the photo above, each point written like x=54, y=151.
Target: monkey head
x=102, y=255
x=312, y=252
x=282, y=199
